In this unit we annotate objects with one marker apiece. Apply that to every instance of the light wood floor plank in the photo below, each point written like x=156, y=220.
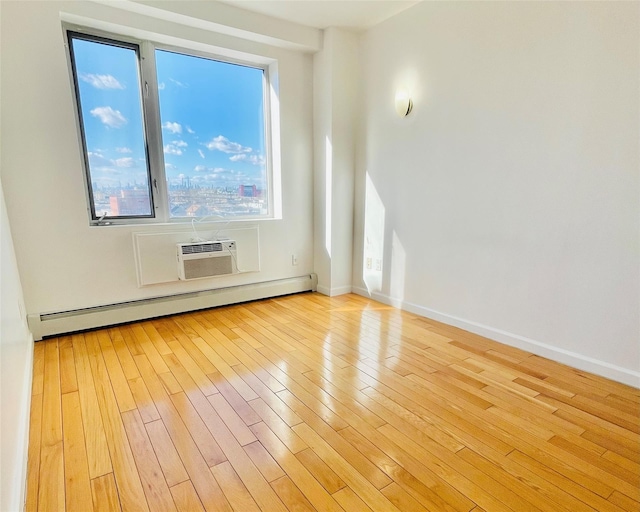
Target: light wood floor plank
x=291, y=495
x=199, y=377
x=251, y=477
x=209, y=448
x=631, y=464
x=157, y=340
x=323, y=473
x=372, y=473
x=172, y=467
x=530, y=494
x=566, y=483
x=124, y=356
x=232, y=420
x=186, y=497
x=125, y=472
x=310, y=487
x=76, y=465
x=233, y=488
x=345, y=395
x=264, y=461
x=68, y=381
x=349, y=500
x=178, y=335
x=208, y=490
x=95, y=437
x=446, y=419
x=148, y=348
x=227, y=371
x=153, y=482
x=402, y=499
x=51, y=492
x=38, y=369
x=408, y=472
x=469, y=479
x=119, y=383
x=624, y=502
x=105, y=494
x=130, y=341
x=144, y=402
x=291, y=440
x=239, y=405
x=33, y=458
x=307, y=402
x=360, y=485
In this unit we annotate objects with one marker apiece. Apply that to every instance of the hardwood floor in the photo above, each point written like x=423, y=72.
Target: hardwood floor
x=313, y=403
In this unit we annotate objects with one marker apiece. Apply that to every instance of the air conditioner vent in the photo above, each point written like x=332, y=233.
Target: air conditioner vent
x=207, y=259
x=200, y=248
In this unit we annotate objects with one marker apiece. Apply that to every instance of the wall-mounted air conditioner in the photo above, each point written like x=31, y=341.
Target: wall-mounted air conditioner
x=207, y=259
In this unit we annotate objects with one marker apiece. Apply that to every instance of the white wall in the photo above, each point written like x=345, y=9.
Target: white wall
x=510, y=196
x=64, y=263
x=336, y=79
x=16, y=358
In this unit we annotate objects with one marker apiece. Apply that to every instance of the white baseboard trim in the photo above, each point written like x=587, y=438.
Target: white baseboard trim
x=51, y=324
x=574, y=359
x=26, y=422
x=16, y=420
x=333, y=292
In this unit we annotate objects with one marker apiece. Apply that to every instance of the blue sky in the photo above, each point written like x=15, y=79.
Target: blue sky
x=211, y=117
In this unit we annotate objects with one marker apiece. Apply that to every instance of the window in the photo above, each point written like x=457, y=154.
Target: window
x=168, y=134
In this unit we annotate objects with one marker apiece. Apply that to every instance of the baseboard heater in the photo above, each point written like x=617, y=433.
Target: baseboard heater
x=64, y=322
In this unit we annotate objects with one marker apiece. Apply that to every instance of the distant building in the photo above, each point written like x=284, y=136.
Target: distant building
x=130, y=202
x=193, y=210
x=248, y=191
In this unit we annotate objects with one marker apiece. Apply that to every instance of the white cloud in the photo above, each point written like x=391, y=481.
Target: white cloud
x=244, y=157
x=189, y=130
x=100, y=163
x=221, y=143
x=167, y=165
x=161, y=86
x=108, y=116
x=218, y=170
x=98, y=160
x=107, y=170
x=170, y=149
x=179, y=84
x=101, y=81
x=124, y=150
x=201, y=153
x=174, y=147
x=172, y=127
x=124, y=162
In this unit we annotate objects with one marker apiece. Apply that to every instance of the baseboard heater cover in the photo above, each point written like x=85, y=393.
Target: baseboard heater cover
x=52, y=324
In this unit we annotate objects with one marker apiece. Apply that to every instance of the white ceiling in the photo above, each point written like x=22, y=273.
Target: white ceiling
x=352, y=14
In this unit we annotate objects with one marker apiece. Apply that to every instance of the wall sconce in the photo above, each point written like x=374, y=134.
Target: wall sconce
x=404, y=104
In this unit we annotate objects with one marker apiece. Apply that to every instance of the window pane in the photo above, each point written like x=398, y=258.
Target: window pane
x=110, y=106
x=212, y=116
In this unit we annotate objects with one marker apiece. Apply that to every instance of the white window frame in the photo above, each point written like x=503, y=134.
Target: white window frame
x=153, y=131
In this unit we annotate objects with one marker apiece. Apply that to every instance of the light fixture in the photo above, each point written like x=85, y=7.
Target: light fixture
x=404, y=104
